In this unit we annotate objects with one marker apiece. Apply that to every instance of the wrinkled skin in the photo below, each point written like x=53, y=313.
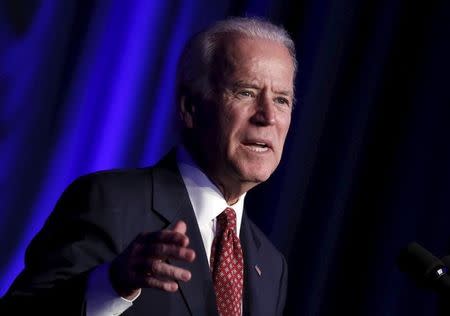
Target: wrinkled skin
x=237, y=138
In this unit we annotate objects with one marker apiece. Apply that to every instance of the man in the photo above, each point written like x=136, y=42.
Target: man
x=174, y=239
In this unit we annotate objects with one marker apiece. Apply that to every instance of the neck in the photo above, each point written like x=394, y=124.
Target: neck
x=231, y=189
x=230, y=193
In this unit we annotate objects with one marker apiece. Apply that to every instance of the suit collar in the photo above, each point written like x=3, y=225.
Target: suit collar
x=169, y=195
x=253, y=269
x=170, y=199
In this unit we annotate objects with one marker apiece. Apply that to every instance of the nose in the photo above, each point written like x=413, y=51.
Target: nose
x=265, y=112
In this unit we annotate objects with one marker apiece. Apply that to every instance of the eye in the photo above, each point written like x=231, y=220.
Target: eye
x=246, y=93
x=282, y=101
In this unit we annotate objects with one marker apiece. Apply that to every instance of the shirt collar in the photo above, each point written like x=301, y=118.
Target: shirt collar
x=206, y=198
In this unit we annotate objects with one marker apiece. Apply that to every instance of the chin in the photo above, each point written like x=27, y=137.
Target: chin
x=253, y=168
x=256, y=174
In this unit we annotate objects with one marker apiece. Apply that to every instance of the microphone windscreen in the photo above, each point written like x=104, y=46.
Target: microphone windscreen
x=420, y=264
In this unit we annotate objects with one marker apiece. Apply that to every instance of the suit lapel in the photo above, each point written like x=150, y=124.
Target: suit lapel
x=171, y=200
x=253, y=270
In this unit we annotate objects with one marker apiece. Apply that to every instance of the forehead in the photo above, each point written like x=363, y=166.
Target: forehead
x=242, y=44
x=256, y=59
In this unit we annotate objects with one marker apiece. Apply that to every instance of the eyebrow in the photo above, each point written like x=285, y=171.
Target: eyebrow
x=243, y=84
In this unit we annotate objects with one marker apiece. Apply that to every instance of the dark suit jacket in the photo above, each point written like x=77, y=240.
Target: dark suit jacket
x=100, y=214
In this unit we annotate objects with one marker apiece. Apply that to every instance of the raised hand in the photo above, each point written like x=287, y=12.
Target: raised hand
x=143, y=263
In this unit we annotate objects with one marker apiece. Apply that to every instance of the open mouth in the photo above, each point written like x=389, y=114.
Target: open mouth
x=258, y=147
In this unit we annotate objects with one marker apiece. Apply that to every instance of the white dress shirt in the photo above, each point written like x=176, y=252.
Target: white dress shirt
x=206, y=199
x=207, y=202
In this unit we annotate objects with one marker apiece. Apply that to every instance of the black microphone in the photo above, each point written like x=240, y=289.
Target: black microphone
x=426, y=269
x=446, y=261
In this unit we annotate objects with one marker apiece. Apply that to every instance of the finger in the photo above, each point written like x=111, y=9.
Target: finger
x=165, y=236
x=165, y=251
x=180, y=227
x=167, y=272
x=151, y=281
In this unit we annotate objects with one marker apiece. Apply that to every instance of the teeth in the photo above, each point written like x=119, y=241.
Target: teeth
x=257, y=148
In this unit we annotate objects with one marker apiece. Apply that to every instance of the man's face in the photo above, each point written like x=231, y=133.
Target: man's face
x=242, y=131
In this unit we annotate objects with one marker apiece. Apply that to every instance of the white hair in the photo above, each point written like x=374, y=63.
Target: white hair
x=197, y=60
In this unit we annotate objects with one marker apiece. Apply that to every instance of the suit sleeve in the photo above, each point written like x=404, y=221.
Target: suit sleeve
x=76, y=238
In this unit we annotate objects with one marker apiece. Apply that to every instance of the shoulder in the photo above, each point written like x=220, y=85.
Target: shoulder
x=105, y=185
x=114, y=176
x=125, y=180
x=267, y=248
x=262, y=237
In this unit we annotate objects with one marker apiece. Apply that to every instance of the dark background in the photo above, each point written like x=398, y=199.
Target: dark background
x=87, y=85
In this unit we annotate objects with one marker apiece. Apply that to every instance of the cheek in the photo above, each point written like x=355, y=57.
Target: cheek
x=231, y=126
x=221, y=136
x=284, y=128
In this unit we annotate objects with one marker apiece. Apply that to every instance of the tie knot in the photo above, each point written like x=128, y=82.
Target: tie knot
x=227, y=219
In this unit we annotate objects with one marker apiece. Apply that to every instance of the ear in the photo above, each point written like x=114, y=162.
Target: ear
x=187, y=111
